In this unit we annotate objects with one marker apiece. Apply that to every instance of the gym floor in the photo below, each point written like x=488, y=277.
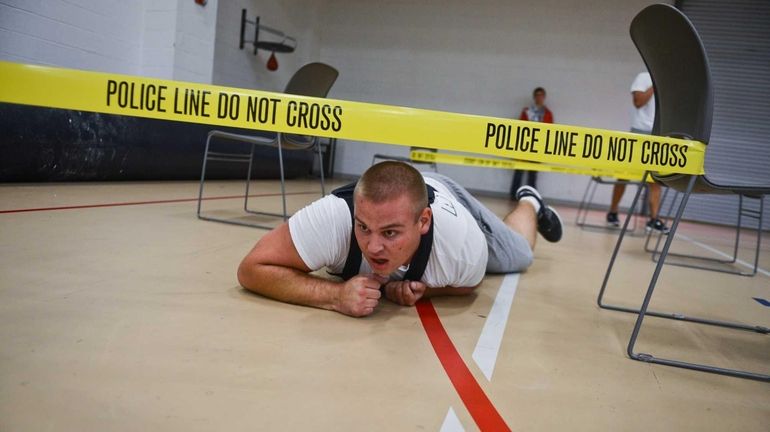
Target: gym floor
x=120, y=310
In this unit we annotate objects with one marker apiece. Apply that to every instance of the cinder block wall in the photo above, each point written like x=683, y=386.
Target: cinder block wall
x=171, y=39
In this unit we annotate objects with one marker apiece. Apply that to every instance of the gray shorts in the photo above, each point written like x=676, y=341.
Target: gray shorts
x=509, y=251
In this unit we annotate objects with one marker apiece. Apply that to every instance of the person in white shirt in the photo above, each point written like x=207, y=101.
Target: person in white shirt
x=642, y=120
x=407, y=234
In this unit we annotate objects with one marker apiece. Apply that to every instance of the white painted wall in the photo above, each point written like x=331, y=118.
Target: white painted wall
x=83, y=34
x=171, y=39
x=484, y=57
x=241, y=68
x=195, y=32
x=159, y=34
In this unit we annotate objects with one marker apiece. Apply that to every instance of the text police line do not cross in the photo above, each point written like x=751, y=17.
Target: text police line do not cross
x=532, y=139
x=198, y=103
x=220, y=106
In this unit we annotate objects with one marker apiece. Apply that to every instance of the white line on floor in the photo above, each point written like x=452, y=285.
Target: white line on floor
x=451, y=422
x=718, y=252
x=488, y=345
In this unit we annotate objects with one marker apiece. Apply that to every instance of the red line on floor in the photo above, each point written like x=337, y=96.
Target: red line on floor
x=133, y=203
x=476, y=401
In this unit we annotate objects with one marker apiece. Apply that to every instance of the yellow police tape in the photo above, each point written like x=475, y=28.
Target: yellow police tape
x=278, y=112
x=482, y=162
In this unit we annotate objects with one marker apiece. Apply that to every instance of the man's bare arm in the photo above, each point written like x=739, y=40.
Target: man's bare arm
x=274, y=269
x=642, y=97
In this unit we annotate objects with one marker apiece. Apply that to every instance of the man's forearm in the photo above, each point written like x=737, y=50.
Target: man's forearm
x=290, y=286
x=640, y=98
x=448, y=291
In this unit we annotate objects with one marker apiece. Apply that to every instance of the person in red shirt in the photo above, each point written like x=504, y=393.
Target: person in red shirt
x=536, y=112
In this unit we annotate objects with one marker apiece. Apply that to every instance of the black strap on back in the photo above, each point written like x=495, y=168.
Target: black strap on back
x=353, y=261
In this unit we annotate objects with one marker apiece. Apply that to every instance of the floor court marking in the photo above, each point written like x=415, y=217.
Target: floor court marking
x=476, y=401
x=133, y=203
x=761, y=301
x=718, y=252
x=451, y=422
x=488, y=345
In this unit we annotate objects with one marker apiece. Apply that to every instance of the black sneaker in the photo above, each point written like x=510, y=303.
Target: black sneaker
x=612, y=219
x=549, y=223
x=656, y=225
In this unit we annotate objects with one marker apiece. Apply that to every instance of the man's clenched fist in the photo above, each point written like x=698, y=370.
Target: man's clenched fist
x=358, y=296
x=405, y=293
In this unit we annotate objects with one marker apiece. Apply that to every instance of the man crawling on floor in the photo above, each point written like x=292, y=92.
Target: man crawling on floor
x=396, y=232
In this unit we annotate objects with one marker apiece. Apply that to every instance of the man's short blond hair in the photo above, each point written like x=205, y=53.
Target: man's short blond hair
x=389, y=180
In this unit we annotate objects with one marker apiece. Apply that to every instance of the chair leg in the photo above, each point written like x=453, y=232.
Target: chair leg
x=588, y=199
x=283, y=179
x=248, y=179
x=248, y=158
x=203, y=175
x=738, y=230
x=668, y=315
x=667, y=217
x=583, y=207
x=656, y=251
x=283, y=215
x=600, y=298
x=643, y=311
x=321, y=167
x=759, y=233
x=643, y=187
x=742, y=211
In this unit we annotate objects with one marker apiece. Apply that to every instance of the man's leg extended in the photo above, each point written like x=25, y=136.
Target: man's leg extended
x=509, y=250
x=523, y=220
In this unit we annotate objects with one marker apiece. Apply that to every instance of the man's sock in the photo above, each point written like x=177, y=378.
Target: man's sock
x=532, y=200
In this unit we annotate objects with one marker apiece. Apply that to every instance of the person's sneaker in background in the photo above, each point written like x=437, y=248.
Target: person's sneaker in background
x=612, y=219
x=656, y=225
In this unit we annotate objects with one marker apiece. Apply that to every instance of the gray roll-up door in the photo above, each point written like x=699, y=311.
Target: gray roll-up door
x=736, y=35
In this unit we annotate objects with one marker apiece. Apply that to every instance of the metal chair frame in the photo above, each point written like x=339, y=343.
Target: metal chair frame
x=588, y=199
x=249, y=158
x=644, y=310
x=717, y=264
x=682, y=79
x=313, y=79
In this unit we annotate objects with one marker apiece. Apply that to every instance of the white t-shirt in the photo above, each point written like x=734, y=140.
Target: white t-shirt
x=644, y=117
x=321, y=233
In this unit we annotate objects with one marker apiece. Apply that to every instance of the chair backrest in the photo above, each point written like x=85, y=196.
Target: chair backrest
x=312, y=79
x=684, y=97
x=676, y=59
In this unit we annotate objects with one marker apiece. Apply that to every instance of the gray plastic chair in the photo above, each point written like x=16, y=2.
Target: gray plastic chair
x=676, y=59
x=312, y=79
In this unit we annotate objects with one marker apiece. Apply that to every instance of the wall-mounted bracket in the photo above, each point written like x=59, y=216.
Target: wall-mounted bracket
x=287, y=44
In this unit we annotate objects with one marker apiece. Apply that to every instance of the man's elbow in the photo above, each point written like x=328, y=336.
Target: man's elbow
x=246, y=275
